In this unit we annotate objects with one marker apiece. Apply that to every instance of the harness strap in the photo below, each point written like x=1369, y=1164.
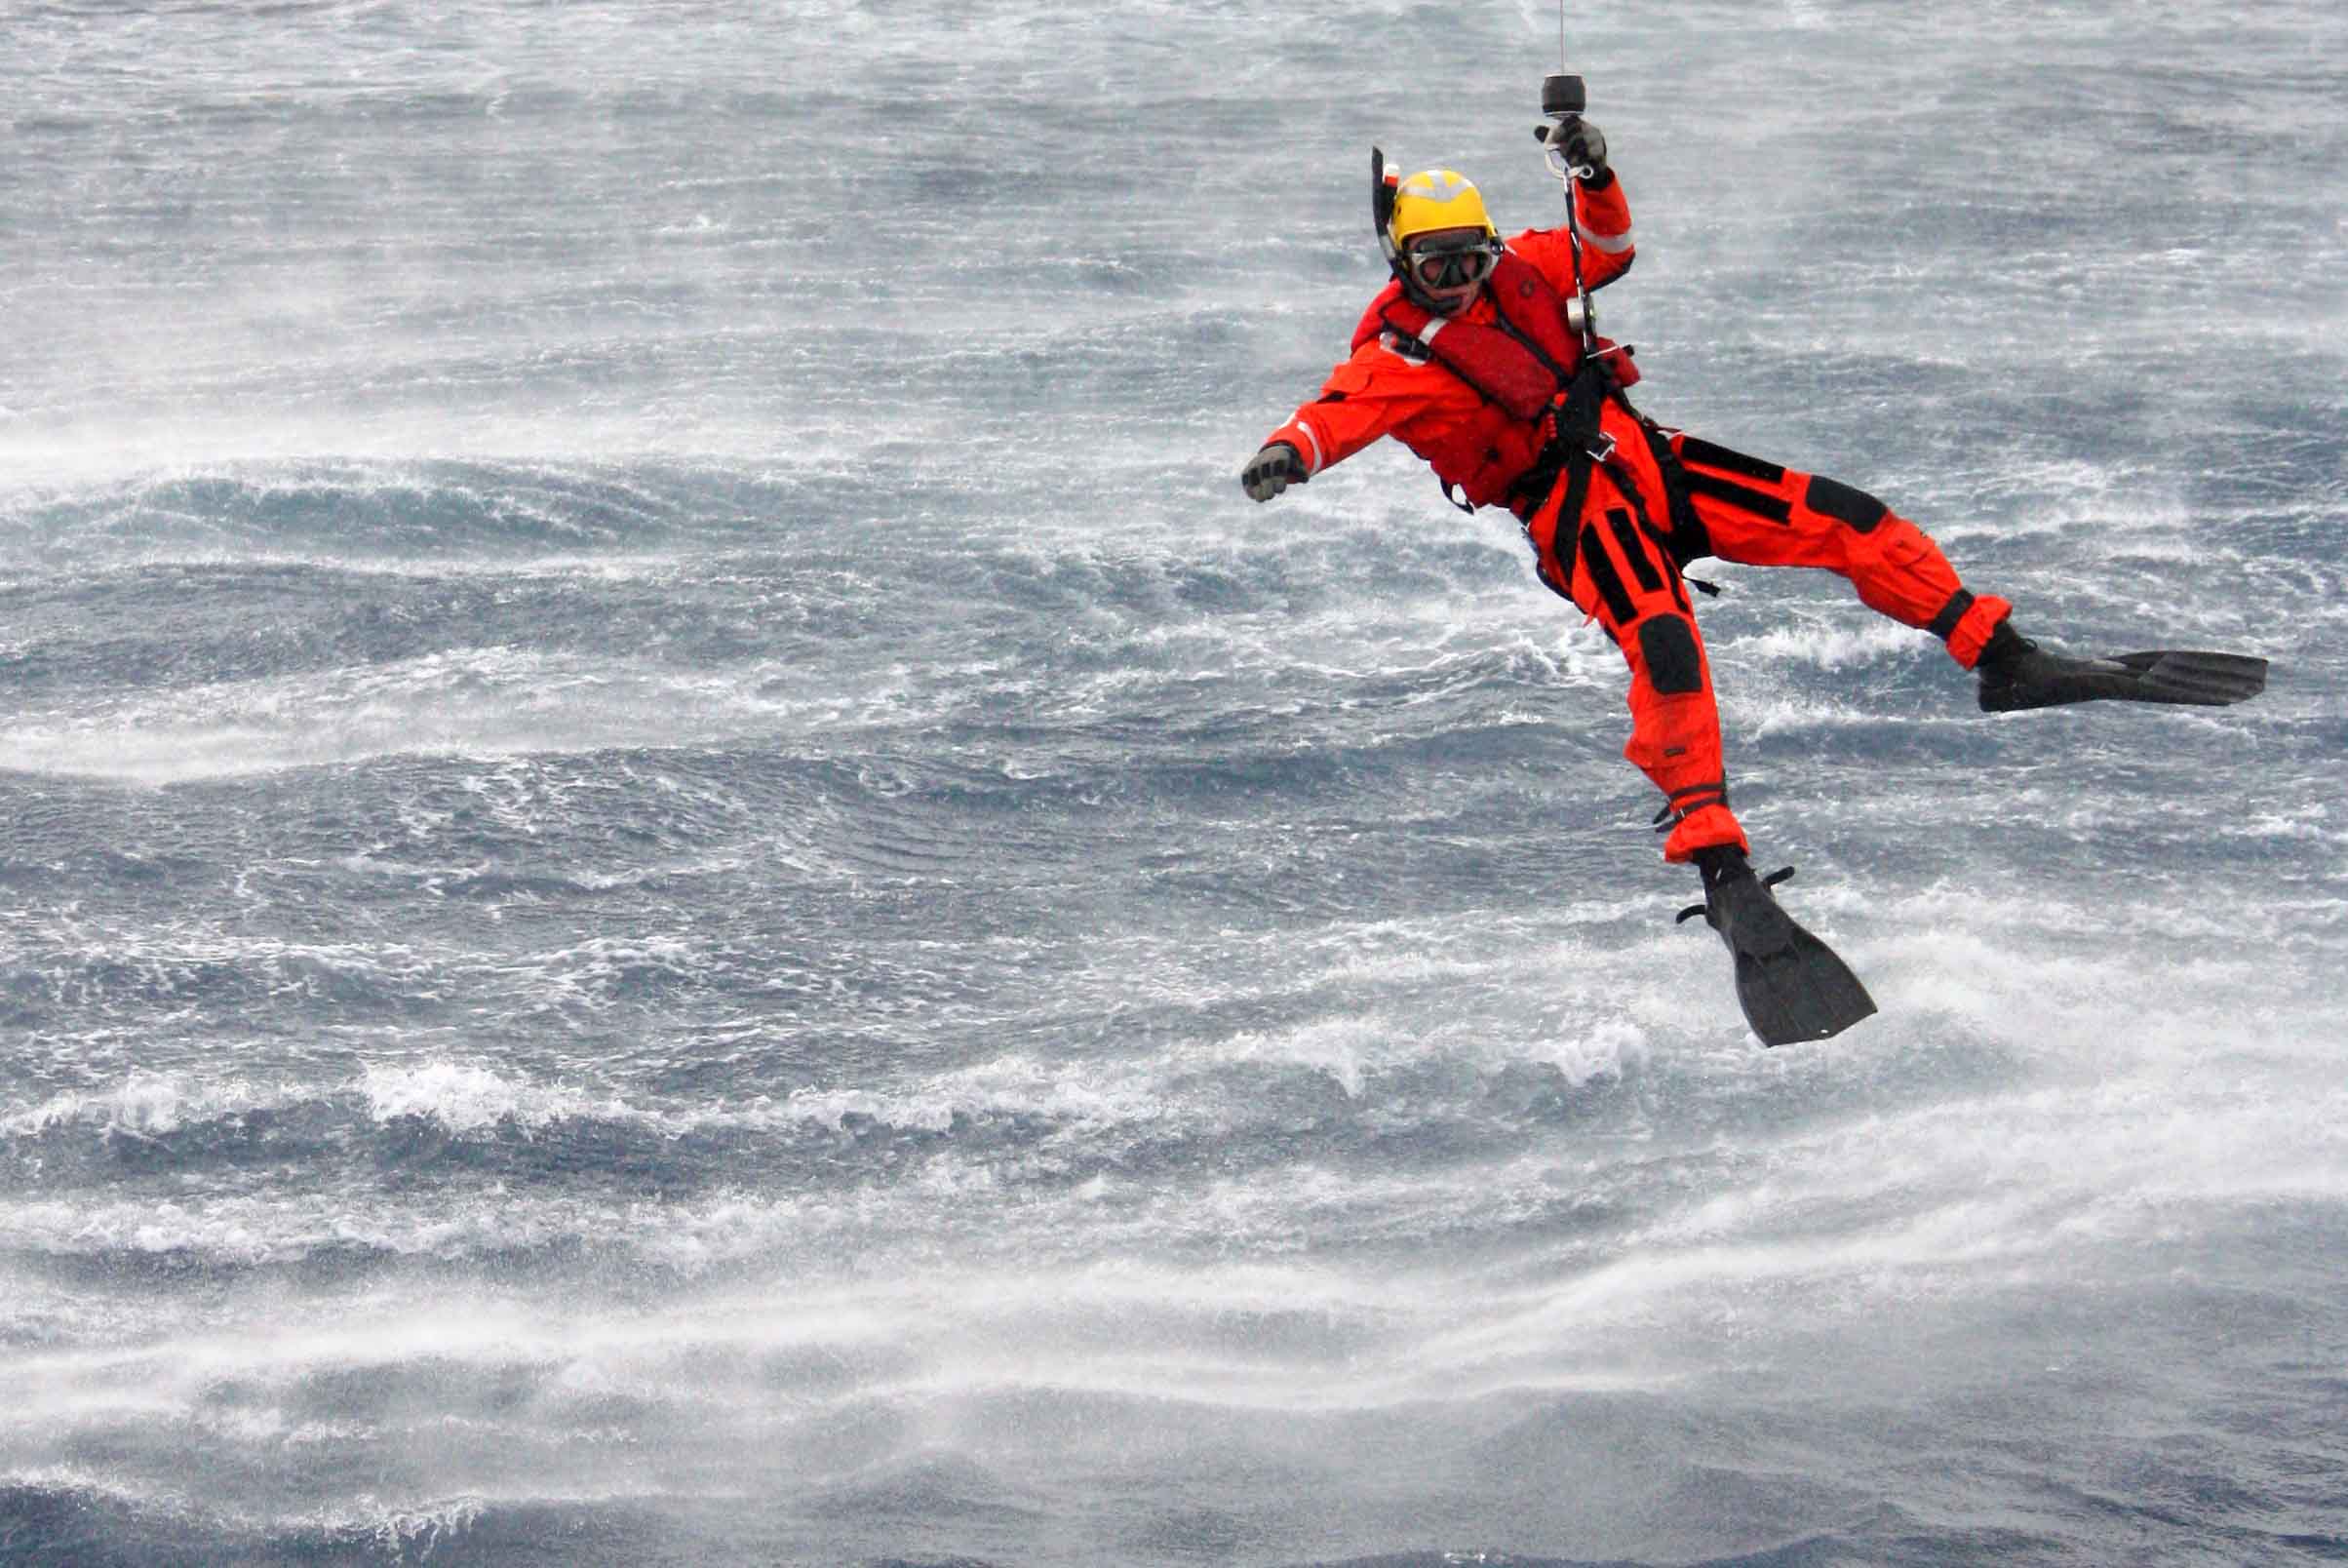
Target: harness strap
x=1574, y=442
x=1680, y=804
x=1575, y=446
x=1689, y=538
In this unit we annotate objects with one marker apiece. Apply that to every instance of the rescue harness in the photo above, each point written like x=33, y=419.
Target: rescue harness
x=1532, y=367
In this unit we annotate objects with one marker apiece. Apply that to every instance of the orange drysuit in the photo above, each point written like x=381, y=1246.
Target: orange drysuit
x=1653, y=500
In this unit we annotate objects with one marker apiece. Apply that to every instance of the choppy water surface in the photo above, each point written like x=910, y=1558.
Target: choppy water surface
x=682, y=884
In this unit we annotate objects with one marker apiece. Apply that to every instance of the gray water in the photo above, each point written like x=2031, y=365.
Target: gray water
x=681, y=883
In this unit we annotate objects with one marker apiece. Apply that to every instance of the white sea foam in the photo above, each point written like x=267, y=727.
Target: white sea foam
x=146, y=1104
x=1834, y=645
x=466, y=1097
x=487, y=703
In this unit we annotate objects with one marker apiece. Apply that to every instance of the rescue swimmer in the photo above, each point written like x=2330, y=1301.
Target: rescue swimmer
x=1475, y=357
x=1480, y=357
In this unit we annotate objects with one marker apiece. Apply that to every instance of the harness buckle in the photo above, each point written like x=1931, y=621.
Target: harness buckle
x=1602, y=450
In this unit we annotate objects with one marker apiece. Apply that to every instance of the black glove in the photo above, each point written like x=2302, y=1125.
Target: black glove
x=1272, y=471
x=1576, y=143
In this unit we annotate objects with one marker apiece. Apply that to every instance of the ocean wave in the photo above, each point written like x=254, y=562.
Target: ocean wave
x=1833, y=646
x=144, y=1105
x=68, y=1513
x=477, y=703
x=396, y=511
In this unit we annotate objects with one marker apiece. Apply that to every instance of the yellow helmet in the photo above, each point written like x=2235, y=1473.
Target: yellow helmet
x=1435, y=199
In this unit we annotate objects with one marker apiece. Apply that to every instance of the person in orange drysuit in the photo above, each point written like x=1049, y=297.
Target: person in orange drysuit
x=1475, y=358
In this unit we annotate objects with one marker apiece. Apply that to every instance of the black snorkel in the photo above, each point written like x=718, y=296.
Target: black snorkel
x=1382, y=187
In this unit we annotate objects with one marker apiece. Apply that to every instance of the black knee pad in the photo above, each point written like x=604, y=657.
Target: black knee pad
x=1674, y=664
x=1839, y=501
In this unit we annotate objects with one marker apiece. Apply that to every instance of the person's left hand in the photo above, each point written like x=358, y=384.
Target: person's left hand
x=1578, y=144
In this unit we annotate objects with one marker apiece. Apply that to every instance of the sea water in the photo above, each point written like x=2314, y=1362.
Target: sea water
x=681, y=882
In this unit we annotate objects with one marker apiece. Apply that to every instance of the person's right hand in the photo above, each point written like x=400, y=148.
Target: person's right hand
x=1272, y=470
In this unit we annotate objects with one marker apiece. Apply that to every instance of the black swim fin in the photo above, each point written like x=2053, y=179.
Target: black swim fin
x=2016, y=674
x=1790, y=984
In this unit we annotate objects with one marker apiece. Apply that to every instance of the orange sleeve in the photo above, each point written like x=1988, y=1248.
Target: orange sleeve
x=1366, y=397
x=1608, y=245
